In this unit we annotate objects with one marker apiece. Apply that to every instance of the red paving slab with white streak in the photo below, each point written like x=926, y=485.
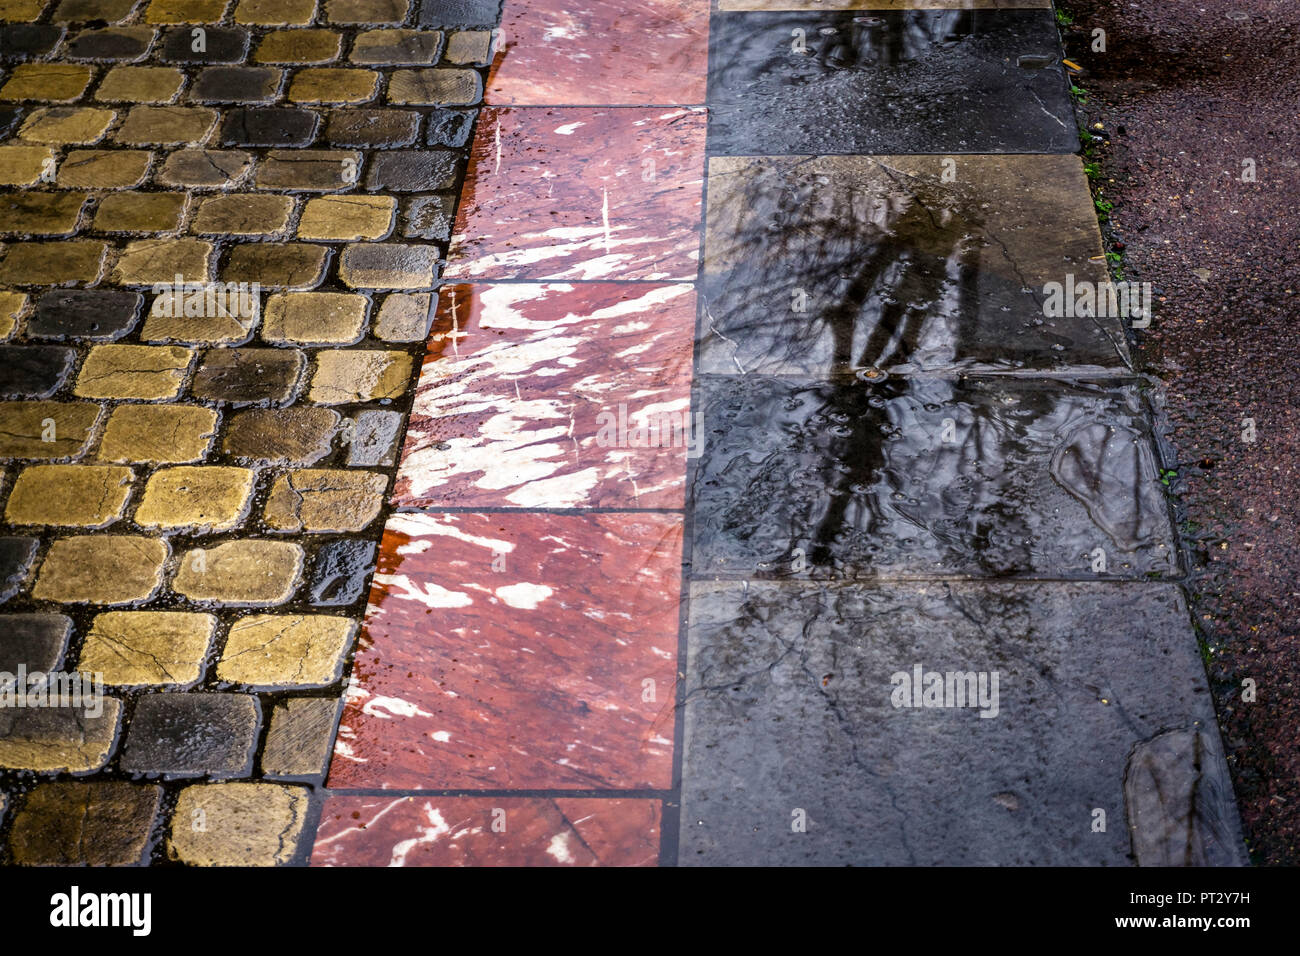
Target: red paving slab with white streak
x=487, y=831
x=581, y=193
x=517, y=651
x=522, y=382
x=601, y=52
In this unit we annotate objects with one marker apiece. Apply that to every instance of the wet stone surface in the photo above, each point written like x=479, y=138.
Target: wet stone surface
x=58, y=739
x=246, y=824
x=534, y=644
x=187, y=735
x=299, y=436
x=925, y=81
x=147, y=648
x=34, y=371
x=458, y=13
x=298, y=744
x=339, y=570
x=824, y=265
x=269, y=127
x=926, y=477
x=791, y=717
x=34, y=640
x=104, y=823
x=248, y=376
x=1180, y=802
x=224, y=45
x=103, y=569
x=373, y=438
x=382, y=831
x=16, y=556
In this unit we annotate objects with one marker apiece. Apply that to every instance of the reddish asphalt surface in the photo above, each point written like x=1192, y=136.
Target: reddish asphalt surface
x=1187, y=91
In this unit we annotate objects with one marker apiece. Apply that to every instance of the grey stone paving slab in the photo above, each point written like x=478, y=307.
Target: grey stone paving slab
x=926, y=477
x=823, y=265
x=791, y=716
x=927, y=81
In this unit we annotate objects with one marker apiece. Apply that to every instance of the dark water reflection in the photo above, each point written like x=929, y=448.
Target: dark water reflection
x=822, y=266
x=907, y=81
x=925, y=477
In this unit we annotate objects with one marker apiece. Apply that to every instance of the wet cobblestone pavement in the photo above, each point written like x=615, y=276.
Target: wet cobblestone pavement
x=734, y=486
x=195, y=486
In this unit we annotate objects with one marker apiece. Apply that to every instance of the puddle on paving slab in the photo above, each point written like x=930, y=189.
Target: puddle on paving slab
x=908, y=81
x=1179, y=801
x=802, y=744
x=926, y=477
x=581, y=193
x=821, y=266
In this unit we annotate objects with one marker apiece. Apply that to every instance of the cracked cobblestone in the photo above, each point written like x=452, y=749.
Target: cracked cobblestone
x=245, y=824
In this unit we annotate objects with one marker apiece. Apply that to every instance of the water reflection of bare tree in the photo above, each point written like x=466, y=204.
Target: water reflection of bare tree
x=874, y=41
x=867, y=475
x=878, y=261
x=833, y=265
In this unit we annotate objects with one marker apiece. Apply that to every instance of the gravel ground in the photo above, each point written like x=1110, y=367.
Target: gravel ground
x=1185, y=93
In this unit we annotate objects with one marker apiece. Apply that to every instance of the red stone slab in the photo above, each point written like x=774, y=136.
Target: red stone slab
x=486, y=831
x=581, y=193
x=556, y=670
x=601, y=52
x=531, y=396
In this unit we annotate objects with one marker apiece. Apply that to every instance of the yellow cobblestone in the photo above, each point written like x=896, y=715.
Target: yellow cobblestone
x=314, y=318
x=80, y=496
x=249, y=573
x=153, y=261
x=140, y=212
x=325, y=499
x=275, y=12
x=146, y=372
x=348, y=218
x=140, y=84
x=359, y=375
x=46, y=429
x=246, y=824
x=12, y=305
x=333, y=85
x=53, y=263
x=157, y=434
x=204, y=498
x=185, y=11
x=299, y=46
x=146, y=648
x=47, y=82
x=101, y=569
x=285, y=650
x=104, y=168
x=66, y=124
x=24, y=165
